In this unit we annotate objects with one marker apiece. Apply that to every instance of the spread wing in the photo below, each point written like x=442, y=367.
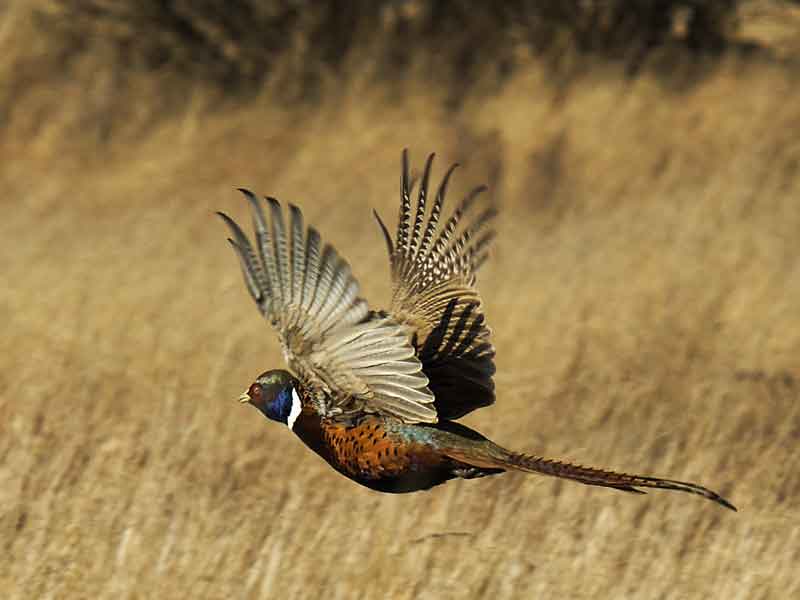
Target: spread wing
x=351, y=358
x=433, y=275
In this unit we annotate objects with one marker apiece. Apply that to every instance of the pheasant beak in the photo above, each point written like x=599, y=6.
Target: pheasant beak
x=244, y=398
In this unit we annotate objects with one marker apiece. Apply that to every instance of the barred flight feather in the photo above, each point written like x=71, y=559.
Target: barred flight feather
x=433, y=265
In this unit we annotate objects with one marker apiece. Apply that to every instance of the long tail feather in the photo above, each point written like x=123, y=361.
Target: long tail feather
x=492, y=455
x=612, y=479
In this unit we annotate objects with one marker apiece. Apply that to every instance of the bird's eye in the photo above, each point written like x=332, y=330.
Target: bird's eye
x=255, y=391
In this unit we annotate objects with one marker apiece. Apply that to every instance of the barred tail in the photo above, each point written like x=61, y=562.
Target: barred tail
x=600, y=477
x=486, y=454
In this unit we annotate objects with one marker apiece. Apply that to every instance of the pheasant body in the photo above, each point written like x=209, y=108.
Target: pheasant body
x=383, y=453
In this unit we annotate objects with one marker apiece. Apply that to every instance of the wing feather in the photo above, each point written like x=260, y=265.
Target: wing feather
x=405, y=205
x=280, y=250
x=433, y=278
x=255, y=278
x=298, y=257
x=268, y=265
x=436, y=212
x=253, y=287
x=357, y=360
x=311, y=268
x=421, y=200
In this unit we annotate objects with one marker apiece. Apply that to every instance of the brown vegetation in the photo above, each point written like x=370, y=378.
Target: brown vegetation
x=644, y=296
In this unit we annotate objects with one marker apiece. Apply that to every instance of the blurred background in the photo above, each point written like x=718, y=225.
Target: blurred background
x=644, y=291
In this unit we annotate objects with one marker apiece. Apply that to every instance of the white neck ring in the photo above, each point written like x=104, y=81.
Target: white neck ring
x=297, y=408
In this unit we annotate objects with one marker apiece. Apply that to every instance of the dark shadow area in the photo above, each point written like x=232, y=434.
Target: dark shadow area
x=237, y=45
x=138, y=64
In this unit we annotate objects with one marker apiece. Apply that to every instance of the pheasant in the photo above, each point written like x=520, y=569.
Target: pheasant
x=377, y=394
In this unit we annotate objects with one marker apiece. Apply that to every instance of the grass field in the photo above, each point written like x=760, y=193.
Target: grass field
x=644, y=295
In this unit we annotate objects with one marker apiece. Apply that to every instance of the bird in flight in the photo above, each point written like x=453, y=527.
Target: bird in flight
x=377, y=394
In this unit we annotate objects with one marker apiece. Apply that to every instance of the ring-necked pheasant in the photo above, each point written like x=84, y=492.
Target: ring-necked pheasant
x=375, y=393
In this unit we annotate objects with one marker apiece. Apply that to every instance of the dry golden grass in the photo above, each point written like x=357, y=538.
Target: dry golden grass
x=645, y=299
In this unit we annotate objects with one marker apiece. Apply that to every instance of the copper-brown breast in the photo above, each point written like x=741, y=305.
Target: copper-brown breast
x=368, y=450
